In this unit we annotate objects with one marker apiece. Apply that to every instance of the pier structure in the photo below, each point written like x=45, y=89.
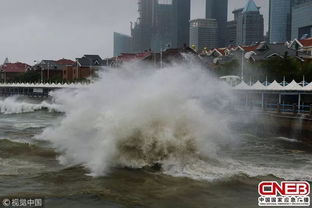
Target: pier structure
x=280, y=97
x=34, y=89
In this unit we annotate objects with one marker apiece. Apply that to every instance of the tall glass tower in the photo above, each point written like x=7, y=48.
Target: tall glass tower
x=218, y=9
x=183, y=14
x=280, y=20
x=302, y=20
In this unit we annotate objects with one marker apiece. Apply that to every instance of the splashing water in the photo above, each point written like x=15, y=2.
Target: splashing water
x=14, y=105
x=139, y=116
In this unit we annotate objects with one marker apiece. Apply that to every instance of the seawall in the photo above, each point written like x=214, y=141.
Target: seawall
x=297, y=126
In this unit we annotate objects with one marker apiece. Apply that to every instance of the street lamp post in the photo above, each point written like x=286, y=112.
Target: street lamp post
x=48, y=75
x=41, y=72
x=161, y=58
x=242, y=75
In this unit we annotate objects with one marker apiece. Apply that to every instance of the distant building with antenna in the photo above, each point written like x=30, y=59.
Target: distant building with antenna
x=250, y=25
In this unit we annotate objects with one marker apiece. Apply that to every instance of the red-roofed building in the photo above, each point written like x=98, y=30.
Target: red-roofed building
x=306, y=42
x=304, y=47
x=66, y=62
x=125, y=57
x=69, y=69
x=10, y=71
x=128, y=57
x=249, y=48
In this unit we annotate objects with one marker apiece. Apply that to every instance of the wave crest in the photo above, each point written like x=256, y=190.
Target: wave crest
x=136, y=117
x=13, y=105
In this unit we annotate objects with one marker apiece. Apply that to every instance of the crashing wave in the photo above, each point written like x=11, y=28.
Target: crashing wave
x=13, y=105
x=175, y=118
x=139, y=116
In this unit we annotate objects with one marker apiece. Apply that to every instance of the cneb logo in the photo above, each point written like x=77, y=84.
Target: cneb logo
x=287, y=188
x=287, y=193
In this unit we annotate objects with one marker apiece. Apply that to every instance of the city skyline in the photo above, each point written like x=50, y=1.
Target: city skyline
x=36, y=30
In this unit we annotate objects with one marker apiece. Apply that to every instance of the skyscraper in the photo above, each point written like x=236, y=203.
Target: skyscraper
x=122, y=44
x=171, y=24
x=297, y=2
x=301, y=26
x=232, y=28
x=164, y=26
x=280, y=20
x=161, y=24
x=250, y=25
x=183, y=16
x=218, y=9
x=203, y=33
x=141, y=30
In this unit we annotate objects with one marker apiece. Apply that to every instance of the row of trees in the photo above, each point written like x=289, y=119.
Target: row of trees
x=35, y=77
x=274, y=68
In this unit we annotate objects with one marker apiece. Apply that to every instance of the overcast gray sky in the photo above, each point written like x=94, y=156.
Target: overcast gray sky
x=53, y=29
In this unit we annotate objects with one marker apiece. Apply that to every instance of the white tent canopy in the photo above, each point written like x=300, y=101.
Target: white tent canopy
x=293, y=86
x=308, y=87
x=258, y=86
x=242, y=86
x=274, y=86
x=40, y=85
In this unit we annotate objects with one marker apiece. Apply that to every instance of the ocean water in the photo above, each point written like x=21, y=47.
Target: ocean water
x=141, y=139
x=29, y=167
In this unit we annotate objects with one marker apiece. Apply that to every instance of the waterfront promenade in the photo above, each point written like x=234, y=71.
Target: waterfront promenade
x=279, y=97
x=35, y=89
x=287, y=98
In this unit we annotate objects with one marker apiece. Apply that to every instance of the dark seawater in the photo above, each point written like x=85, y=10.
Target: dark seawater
x=29, y=168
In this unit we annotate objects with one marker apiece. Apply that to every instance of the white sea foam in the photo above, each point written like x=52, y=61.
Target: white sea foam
x=13, y=105
x=227, y=168
x=137, y=116
x=287, y=139
x=140, y=116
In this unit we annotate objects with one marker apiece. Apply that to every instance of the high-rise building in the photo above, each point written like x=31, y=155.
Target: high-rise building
x=301, y=26
x=161, y=24
x=142, y=29
x=171, y=24
x=250, y=25
x=231, y=33
x=297, y=2
x=183, y=16
x=218, y=9
x=280, y=20
x=122, y=44
x=163, y=35
x=203, y=33
x=232, y=28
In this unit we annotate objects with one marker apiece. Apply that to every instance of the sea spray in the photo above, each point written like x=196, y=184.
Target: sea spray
x=139, y=116
x=16, y=105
